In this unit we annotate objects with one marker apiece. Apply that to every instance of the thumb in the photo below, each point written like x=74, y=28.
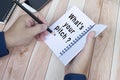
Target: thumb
x=38, y=28
x=89, y=46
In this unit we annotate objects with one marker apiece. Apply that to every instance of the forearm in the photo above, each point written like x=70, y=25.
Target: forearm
x=3, y=48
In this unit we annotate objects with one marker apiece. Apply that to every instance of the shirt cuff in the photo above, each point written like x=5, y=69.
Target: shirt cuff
x=72, y=76
x=3, y=49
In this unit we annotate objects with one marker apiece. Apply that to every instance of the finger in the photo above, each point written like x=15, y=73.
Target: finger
x=30, y=21
x=42, y=18
x=42, y=35
x=46, y=33
x=90, y=42
x=37, y=29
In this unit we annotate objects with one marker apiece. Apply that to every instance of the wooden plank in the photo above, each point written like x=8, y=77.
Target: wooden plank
x=38, y=63
x=116, y=57
x=92, y=9
x=3, y=64
x=51, y=11
x=56, y=68
x=93, y=13
x=102, y=57
x=19, y=60
x=79, y=3
x=18, y=63
x=41, y=54
x=61, y=8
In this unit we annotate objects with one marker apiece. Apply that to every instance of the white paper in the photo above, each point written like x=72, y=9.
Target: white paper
x=68, y=28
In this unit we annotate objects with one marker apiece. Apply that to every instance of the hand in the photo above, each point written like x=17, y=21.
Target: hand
x=24, y=30
x=81, y=63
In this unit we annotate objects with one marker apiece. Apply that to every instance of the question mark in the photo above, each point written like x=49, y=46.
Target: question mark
x=68, y=40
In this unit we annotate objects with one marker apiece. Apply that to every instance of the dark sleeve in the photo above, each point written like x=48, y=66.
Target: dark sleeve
x=75, y=77
x=3, y=49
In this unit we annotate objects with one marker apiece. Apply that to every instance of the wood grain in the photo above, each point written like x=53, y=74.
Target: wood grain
x=115, y=71
x=3, y=64
x=92, y=9
x=79, y=3
x=41, y=56
x=93, y=12
x=55, y=65
x=59, y=10
x=51, y=11
x=102, y=57
x=18, y=63
x=37, y=62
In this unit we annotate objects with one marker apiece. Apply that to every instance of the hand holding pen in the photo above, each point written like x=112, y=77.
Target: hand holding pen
x=31, y=14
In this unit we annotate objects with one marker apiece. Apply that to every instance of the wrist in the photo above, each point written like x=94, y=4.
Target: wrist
x=75, y=71
x=8, y=40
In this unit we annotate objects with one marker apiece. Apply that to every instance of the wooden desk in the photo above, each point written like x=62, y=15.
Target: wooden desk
x=36, y=61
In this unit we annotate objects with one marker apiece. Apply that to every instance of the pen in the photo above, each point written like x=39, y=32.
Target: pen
x=29, y=13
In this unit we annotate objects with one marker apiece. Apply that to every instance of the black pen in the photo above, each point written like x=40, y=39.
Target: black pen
x=29, y=13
